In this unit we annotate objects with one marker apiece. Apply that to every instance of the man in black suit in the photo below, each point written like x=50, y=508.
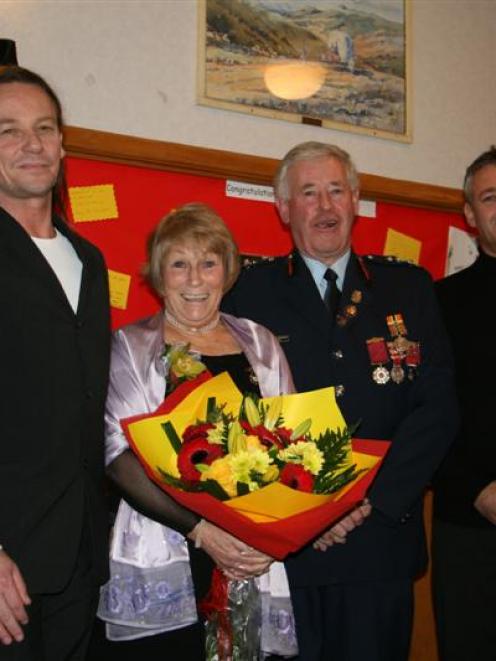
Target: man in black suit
x=371, y=328
x=54, y=346
x=464, y=523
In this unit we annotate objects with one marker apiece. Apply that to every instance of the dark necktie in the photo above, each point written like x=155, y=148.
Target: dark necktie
x=331, y=296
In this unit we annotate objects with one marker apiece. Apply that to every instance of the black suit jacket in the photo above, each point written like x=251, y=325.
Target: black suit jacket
x=418, y=416
x=54, y=370
x=467, y=300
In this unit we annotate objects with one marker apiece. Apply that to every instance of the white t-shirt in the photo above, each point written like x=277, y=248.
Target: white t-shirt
x=64, y=261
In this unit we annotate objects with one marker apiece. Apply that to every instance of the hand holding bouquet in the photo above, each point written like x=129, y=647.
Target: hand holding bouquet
x=274, y=472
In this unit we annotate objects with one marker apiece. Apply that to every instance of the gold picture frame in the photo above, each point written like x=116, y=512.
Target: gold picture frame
x=319, y=62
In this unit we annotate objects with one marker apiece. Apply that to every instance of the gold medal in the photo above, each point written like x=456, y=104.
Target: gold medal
x=356, y=296
x=380, y=375
x=350, y=310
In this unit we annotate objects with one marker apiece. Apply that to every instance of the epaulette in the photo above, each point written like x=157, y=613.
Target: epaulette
x=248, y=261
x=387, y=260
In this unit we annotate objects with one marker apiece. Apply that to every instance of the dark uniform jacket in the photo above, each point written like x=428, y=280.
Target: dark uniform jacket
x=54, y=370
x=467, y=301
x=418, y=415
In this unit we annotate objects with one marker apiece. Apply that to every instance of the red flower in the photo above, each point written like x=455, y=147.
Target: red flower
x=266, y=437
x=196, y=431
x=297, y=477
x=284, y=435
x=196, y=451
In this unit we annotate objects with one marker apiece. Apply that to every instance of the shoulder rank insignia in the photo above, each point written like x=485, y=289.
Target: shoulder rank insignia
x=247, y=261
x=388, y=260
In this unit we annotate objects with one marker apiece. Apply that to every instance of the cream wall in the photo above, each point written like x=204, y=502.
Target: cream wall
x=129, y=67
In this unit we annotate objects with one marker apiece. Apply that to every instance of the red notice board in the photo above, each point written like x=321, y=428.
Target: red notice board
x=144, y=196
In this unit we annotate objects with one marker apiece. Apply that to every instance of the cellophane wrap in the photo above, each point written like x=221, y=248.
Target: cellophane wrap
x=233, y=622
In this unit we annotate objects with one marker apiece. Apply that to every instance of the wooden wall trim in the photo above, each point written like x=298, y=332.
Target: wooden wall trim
x=141, y=152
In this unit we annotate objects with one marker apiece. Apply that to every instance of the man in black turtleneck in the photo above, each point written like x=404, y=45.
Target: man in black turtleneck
x=464, y=532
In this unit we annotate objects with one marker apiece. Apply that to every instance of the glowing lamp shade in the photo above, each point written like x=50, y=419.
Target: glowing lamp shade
x=294, y=80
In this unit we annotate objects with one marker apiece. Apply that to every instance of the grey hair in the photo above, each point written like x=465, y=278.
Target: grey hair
x=307, y=151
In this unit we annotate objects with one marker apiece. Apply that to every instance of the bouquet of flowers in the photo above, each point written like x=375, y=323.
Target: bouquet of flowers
x=274, y=472
x=229, y=456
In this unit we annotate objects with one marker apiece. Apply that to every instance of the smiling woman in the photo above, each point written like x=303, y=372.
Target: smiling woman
x=192, y=261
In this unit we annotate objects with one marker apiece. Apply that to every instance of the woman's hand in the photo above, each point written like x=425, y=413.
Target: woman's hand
x=236, y=559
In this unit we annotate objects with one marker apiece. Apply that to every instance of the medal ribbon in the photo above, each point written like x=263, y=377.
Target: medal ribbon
x=377, y=349
x=413, y=355
x=396, y=324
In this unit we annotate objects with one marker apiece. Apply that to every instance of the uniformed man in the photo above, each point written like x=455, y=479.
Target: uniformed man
x=369, y=326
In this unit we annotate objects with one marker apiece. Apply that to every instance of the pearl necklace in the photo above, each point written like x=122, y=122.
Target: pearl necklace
x=200, y=330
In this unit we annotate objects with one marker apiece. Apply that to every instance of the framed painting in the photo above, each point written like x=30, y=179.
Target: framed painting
x=340, y=64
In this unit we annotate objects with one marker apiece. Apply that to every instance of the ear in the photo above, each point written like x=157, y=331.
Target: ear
x=355, y=196
x=283, y=210
x=62, y=150
x=469, y=214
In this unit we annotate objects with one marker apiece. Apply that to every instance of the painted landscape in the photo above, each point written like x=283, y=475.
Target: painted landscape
x=354, y=49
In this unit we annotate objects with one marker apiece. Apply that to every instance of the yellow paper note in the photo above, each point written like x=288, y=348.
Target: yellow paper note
x=90, y=203
x=119, y=289
x=402, y=246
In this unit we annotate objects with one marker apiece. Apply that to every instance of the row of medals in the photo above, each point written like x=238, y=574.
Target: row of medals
x=399, y=349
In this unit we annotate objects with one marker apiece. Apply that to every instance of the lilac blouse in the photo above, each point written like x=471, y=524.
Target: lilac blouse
x=150, y=589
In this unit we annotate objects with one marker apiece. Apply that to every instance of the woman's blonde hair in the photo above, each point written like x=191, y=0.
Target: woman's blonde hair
x=192, y=223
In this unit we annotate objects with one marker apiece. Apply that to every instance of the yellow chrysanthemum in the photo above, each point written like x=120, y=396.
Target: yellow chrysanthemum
x=244, y=463
x=221, y=471
x=305, y=453
x=253, y=443
x=271, y=474
x=215, y=435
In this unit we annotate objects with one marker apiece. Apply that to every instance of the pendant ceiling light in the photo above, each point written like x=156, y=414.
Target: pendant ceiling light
x=294, y=79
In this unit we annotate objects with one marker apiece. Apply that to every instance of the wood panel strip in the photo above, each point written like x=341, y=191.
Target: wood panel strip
x=142, y=152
